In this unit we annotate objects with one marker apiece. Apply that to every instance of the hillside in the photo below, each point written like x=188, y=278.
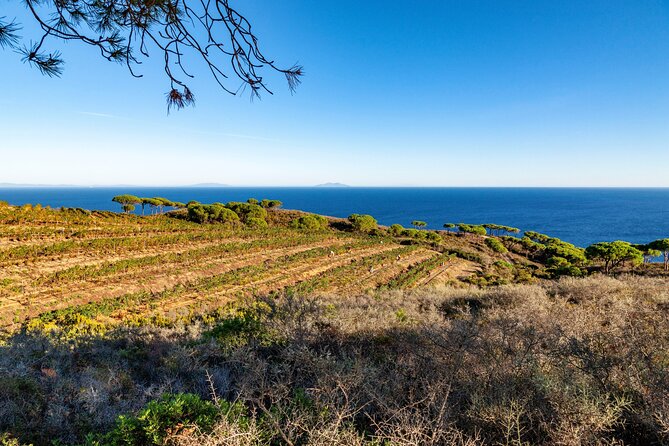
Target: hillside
x=116, y=266
x=280, y=327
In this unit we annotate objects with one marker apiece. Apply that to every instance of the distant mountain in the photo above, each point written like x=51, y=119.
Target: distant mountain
x=332, y=185
x=36, y=185
x=209, y=185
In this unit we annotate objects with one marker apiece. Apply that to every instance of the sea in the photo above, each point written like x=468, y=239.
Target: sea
x=581, y=216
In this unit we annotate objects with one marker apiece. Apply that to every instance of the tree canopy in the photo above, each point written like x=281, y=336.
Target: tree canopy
x=472, y=229
x=127, y=202
x=662, y=245
x=613, y=253
x=177, y=31
x=363, y=223
x=312, y=222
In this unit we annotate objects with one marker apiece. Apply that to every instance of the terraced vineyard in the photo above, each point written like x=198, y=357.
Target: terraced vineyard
x=114, y=267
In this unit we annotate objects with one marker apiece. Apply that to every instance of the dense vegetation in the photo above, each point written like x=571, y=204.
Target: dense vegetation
x=568, y=362
x=242, y=323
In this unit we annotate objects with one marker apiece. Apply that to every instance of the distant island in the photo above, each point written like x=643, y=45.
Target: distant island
x=332, y=185
x=209, y=185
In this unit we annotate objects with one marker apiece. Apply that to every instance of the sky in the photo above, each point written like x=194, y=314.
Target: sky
x=395, y=93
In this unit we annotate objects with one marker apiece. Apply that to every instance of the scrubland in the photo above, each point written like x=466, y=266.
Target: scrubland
x=577, y=361
x=123, y=330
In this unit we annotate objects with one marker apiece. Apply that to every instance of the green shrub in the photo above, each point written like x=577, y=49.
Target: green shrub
x=256, y=223
x=7, y=440
x=466, y=255
x=247, y=210
x=311, y=222
x=496, y=245
x=167, y=415
x=203, y=213
x=363, y=223
x=396, y=230
x=269, y=204
x=503, y=264
x=472, y=229
x=413, y=233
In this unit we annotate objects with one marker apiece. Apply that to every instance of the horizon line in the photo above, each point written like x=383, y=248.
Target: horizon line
x=319, y=186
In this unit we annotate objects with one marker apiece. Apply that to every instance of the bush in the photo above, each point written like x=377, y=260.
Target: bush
x=363, y=223
x=311, y=222
x=396, y=230
x=256, y=223
x=496, y=245
x=204, y=213
x=472, y=229
x=169, y=415
x=413, y=233
x=247, y=210
x=269, y=204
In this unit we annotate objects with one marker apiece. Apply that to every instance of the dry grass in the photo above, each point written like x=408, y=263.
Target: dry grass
x=572, y=362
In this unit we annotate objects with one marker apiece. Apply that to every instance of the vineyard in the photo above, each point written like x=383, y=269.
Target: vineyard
x=112, y=268
x=280, y=327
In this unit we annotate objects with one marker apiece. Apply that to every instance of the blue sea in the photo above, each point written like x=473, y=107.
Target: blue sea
x=579, y=215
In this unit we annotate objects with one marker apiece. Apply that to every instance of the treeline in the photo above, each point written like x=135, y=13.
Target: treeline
x=156, y=204
x=253, y=213
x=560, y=257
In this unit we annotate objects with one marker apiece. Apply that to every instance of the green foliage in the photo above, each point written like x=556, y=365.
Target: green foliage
x=662, y=245
x=152, y=202
x=503, y=264
x=127, y=199
x=246, y=211
x=614, y=253
x=465, y=255
x=547, y=247
x=498, y=229
x=496, y=245
x=559, y=266
x=7, y=440
x=312, y=222
x=413, y=233
x=127, y=202
x=432, y=237
x=396, y=230
x=418, y=224
x=363, y=223
x=242, y=326
x=164, y=201
x=449, y=226
x=168, y=415
x=253, y=201
x=211, y=213
x=255, y=223
x=472, y=229
x=269, y=204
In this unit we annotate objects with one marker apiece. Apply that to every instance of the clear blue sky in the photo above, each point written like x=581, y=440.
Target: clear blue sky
x=428, y=93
